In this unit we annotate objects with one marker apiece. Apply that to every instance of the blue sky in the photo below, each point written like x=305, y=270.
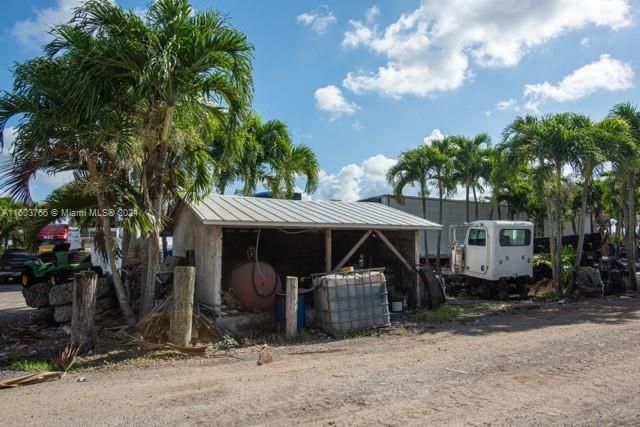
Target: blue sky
x=362, y=81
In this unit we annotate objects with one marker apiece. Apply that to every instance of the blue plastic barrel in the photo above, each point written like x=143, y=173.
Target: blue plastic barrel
x=280, y=308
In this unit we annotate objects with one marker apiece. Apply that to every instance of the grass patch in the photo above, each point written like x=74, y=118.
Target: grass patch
x=443, y=314
x=30, y=365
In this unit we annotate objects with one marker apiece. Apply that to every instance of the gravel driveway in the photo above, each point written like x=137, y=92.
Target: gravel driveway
x=577, y=364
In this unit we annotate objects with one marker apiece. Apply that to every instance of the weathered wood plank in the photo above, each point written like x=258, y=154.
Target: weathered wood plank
x=184, y=279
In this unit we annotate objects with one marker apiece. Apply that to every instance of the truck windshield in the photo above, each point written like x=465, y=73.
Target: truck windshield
x=515, y=237
x=477, y=237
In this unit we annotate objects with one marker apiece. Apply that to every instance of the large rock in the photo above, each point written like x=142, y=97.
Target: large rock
x=62, y=313
x=41, y=315
x=36, y=295
x=62, y=294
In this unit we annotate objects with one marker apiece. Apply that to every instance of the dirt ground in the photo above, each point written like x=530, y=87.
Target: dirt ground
x=573, y=364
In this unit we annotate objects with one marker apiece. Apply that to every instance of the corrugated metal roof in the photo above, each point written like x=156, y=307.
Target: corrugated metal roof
x=237, y=211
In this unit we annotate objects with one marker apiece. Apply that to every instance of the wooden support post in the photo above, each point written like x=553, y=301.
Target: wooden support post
x=353, y=250
x=184, y=279
x=292, y=307
x=395, y=251
x=327, y=251
x=217, y=271
x=83, y=332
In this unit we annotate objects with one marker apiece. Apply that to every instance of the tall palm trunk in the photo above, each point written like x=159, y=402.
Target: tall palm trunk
x=552, y=242
x=475, y=202
x=558, y=224
x=110, y=248
x=153, y=247
x=630, y=232
x=423, y=194
x=467, y=205
x=440, y=222
x=583, y=212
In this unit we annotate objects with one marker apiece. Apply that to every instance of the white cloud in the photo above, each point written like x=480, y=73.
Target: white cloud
x=331, y=100
x=371, y=14
x=33, y=33
x=9, y=136
x=430, y=49
x=355, y=182
x=605, y=74
x=318, y=20
x=54, y=181
x=585, y=42
x=436, y=135
x=508, y=105
x=357, y=125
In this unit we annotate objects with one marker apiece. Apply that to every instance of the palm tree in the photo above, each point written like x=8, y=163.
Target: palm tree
x=269, y=156
x=595, y=140
x=626, y=162
x=293, y=161
x=177, y=63
x=413, y=167
x=56, y=134
x=440, y=155
x=470, y=164
x=546, y=144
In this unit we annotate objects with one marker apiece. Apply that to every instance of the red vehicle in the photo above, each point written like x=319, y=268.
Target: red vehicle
x=51, y=235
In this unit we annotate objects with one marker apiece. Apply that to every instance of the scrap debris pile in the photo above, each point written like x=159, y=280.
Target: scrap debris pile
x=152, y=332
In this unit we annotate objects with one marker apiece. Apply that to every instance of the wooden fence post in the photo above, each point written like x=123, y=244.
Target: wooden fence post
x=292, y=307
x=83, y=331
x=184, y=279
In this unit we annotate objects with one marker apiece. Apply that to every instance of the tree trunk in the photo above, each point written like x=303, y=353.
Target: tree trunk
x=552, y=243
x=475, y=203
x=153, y=250
x=111, y=253
x=126, y=243
x=559, y=224
x=583, y=213
x=440, y=222
x=423, y=194
x=467, y=205
x=630, y=232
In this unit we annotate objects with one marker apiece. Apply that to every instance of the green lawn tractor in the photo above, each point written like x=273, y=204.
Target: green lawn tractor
x=57, y=267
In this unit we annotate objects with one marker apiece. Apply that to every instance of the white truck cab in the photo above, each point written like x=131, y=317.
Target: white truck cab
x=493, y=250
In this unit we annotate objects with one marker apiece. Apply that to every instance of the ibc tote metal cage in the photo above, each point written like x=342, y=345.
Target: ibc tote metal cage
x=351, y=301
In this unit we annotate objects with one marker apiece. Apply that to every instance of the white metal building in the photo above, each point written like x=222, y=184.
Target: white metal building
x=298, y=237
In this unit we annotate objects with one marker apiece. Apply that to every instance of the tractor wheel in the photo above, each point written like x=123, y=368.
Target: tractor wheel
x=27, y=278
x=53, y=279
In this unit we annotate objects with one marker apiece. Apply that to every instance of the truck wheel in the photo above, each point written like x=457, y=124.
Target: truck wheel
x=26, y=278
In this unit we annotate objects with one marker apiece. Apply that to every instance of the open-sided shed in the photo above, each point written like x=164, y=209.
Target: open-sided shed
x=297, y=237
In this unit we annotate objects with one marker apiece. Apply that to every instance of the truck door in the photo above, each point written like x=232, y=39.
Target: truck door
x=477, y=251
